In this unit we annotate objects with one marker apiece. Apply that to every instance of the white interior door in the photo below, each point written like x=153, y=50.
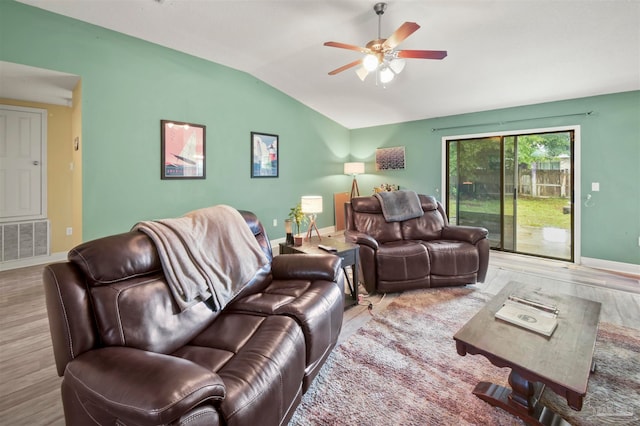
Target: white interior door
x=22, y=165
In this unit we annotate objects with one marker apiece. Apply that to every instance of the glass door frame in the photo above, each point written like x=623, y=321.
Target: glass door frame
x=577, y=182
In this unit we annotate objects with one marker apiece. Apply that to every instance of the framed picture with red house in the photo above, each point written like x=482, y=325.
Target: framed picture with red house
x=183, y=150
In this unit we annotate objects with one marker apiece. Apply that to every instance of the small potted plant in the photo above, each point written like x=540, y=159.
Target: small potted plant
x=297, y=217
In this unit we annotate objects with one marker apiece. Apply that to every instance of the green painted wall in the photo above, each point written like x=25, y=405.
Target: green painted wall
x=610, y=155
x=130, y=85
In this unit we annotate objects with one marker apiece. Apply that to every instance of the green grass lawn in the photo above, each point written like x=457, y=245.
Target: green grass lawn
x=535, y=212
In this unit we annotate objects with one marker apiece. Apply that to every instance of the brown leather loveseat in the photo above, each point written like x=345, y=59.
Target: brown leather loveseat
x=128, y=356
x=424, y=251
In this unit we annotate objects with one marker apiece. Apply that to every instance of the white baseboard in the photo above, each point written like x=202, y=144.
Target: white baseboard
x=609, y=265
x=33, y=261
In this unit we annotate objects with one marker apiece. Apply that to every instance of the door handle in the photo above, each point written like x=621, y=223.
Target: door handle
x=35, y=163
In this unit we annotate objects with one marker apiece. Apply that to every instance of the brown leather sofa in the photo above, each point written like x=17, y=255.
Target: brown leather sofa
x=416, y=253
x=129, y=357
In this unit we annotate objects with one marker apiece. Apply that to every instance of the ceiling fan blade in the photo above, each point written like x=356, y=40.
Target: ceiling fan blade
x=422, y=54
x=346, y=46
x=346, y=67
x=404, y=31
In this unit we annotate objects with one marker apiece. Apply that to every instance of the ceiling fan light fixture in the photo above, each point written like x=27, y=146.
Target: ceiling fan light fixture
x=397, y=65
x=386, y=75
x=370, y=62
x=381, y=54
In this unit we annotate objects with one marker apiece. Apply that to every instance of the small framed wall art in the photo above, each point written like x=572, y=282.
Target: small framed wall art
x=183, y=150
x=390, y=158
x=264, y=155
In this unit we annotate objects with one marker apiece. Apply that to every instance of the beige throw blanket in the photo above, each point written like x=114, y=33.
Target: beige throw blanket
x=207, y=253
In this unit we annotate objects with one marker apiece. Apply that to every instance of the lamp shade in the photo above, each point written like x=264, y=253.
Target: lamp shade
x=386, y=75
x=311, y=204
x=370, y=62
x=353, y=168
x=397, y=65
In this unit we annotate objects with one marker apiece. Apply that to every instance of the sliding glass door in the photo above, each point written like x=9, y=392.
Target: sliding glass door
x=475, y=181
x=519, y=187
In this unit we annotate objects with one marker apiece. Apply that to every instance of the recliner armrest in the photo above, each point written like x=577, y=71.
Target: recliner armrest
x=361, y=238
x=306, y=267
x=470, y=234
x=142, y=387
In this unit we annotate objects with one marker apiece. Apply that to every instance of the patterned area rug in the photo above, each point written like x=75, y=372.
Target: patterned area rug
x=402, y=368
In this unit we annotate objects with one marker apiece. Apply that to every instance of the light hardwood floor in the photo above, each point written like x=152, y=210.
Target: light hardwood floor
x=30, y=387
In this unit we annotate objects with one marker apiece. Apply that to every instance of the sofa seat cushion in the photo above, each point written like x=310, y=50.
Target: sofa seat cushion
x=277, y=294
x=317, y=306
x=402, y=261
x=261, y=360
x=450, y=258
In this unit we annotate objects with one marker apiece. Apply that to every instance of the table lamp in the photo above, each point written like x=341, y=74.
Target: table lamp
x=311, y=205
x=354, y=169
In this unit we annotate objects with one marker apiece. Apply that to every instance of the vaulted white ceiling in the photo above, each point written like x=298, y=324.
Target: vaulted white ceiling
x=502, y=53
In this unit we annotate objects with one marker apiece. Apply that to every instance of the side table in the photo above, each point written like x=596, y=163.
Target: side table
x=348, y=252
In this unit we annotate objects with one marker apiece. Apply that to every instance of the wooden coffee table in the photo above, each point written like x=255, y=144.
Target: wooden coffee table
x=562, y=362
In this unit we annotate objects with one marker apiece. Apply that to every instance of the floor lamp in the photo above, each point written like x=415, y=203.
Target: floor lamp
x=311, y=205
x=354, y=169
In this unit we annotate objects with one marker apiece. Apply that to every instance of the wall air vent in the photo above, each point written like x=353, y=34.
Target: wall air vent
x=22, y=240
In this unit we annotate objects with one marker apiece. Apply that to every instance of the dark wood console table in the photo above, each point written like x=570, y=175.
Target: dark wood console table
x=348, y=252
x=562, y=362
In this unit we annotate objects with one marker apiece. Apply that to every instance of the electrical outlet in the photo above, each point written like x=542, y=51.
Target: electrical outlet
x=69, y=231
x=595, y=186
x=275, y=222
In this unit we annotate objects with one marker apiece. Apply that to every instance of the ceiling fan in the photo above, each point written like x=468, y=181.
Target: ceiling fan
x=381, y=55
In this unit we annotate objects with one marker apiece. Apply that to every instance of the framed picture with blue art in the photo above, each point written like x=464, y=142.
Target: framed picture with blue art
x=264, y=155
